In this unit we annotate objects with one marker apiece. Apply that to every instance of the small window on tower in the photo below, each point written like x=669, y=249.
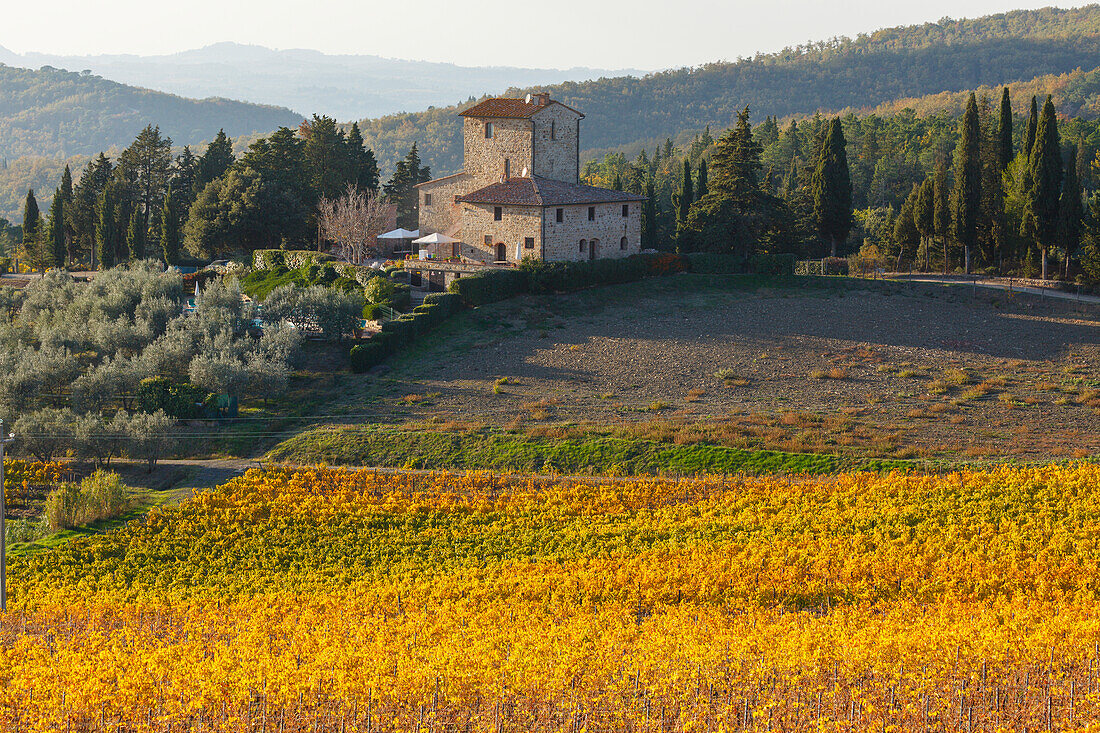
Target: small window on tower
x=507, y=168
x=488, y=240
x=591, y=213
x=528, y=242
x=488, y=130
x=560, y=215
x=498, y=213
x=553, y=131
x=626, y=209
x=427, y=199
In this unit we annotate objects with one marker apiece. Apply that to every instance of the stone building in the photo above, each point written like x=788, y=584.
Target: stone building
x=519, y=193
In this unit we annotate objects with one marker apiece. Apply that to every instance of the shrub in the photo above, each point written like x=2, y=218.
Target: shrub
x=100, y=496
x=449, y=303
x=489, y=287
x=182, y=401
x=367, y=355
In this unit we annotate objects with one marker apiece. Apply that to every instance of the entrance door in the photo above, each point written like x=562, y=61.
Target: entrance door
x=502, y=252
x=593, y=246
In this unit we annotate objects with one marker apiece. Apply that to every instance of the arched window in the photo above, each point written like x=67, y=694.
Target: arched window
x=622, y=243
x=584, y=245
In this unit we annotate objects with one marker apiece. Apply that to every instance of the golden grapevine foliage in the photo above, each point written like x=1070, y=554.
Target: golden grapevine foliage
x=362, y=601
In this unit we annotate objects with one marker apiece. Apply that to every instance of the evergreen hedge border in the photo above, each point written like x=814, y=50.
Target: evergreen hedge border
x=534, y=277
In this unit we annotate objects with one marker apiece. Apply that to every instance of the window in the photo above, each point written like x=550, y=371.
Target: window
x=507, y=168
x=591, y=213
x=584, y=245
x=560, y=215
x=622, y=243
x=626, y=209
x=488, y=130
x=528, y=242
x=488, y=240
x=498, y=213
x=553, y=131
x=427, y=199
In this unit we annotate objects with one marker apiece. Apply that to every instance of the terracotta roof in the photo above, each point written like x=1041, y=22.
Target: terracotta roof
x=441, y=178
x=508, y=107
x=537, y=191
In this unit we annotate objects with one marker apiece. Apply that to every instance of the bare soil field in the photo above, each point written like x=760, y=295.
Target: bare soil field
x=883, y=369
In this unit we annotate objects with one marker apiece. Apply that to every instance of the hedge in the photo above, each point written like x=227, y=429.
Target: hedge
x=709, y=263
x=292, y=259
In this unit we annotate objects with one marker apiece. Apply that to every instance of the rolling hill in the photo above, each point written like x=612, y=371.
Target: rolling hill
x=341, y=86
x=57, y=113
x=874, y=69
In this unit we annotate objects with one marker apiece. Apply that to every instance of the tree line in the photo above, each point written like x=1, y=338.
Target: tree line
x=147, y=203
x=986, y=190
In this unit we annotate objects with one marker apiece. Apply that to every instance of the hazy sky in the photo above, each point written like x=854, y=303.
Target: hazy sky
x=645, y=34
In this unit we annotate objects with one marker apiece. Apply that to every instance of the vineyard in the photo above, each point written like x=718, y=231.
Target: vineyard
x=326, y=600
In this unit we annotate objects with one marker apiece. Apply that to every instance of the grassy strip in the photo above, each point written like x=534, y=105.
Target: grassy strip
x=602, y=455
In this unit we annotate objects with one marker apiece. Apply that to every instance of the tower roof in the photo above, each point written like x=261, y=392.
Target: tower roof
x=515, y=108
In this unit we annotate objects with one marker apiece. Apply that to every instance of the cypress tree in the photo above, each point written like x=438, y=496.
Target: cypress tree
x=684, y=197
x=966, y=197
x=135, y=235
x=924, y=211
x=905, y=230
x=1004, y=132
x=170, y=229
x=1045, y=165
x=32, y=221
x=105, y=233
x=701, y=180
x=214, y=161
x=55, y=232
x=1032, y=127
x=1070, y=211
x=649, y=217
x=941, y=198
x=361, y=161
x=832, y=188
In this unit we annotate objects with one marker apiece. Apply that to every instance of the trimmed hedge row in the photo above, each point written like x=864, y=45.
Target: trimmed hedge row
x=402, y=331
x=557, y=277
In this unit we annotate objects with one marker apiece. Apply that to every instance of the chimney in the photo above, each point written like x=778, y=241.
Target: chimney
x=542, y=99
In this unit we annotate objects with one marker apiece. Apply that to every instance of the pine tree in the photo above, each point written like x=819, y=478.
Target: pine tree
x=832, y=188
x=170, y=229
x=214, y=162
x=1032, y=127
x=362, y=163
x=1045, y=165
x=54, y=239
x=147, y=164
x=966, y=196
x=701, y=180
x=1070, y=211
x=1004, y=132
x=83, y=216
x=135, y=235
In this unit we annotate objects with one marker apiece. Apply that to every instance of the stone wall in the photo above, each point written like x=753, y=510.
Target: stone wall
x=517, y=223
x=555, y=148
x=562, y=241
x=443, y=215
x=484, y=157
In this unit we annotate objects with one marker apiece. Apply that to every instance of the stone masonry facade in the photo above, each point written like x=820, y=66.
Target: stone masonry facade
x=519, y=195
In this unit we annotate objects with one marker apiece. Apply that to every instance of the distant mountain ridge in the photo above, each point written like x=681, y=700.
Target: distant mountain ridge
x=345, y=86
x=51, y=112
x=860, y=73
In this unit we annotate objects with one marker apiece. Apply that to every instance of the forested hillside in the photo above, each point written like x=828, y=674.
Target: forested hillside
x=842, y=73
x=58, y=113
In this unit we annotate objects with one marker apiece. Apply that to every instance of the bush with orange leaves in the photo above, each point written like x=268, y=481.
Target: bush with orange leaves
x=338, y=600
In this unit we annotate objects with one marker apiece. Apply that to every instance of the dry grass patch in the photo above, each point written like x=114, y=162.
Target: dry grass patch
x=694, y=395
x=541, y=409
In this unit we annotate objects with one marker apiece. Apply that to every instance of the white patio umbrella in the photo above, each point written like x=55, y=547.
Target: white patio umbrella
x=436, y=238
x=400, y=234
